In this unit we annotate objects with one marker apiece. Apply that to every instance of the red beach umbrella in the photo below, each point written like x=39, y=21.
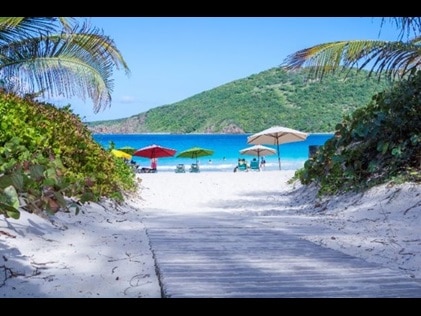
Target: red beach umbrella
x=154, y=151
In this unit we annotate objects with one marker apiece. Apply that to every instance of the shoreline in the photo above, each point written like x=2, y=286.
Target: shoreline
x=162, y=133
x=226, y=150
x=286, y=165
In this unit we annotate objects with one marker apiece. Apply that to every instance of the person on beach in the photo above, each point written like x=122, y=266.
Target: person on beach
x=154, y=163
x=262, y=163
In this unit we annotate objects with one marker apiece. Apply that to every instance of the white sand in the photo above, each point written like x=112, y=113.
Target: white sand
x=104, y=252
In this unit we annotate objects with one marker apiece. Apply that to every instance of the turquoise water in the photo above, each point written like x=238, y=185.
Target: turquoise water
x=226, y=149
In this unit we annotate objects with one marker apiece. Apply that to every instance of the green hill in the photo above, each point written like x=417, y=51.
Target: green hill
x=272, y=97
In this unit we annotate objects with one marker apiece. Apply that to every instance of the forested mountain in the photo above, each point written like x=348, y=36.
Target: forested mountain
x=272, y=97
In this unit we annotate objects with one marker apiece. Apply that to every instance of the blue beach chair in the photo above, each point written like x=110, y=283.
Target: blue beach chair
x=254, y=165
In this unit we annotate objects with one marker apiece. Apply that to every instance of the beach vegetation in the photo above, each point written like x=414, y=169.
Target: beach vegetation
x=379, y=142
x=49, y=160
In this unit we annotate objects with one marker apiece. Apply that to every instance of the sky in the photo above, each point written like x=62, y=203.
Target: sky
x=174, y=58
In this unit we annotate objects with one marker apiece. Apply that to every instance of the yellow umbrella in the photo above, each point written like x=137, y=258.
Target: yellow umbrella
x=121, y=154
x=127, y=149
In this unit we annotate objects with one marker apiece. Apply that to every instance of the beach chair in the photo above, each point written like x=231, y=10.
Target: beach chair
x=147, y=170
x=180, y=168
x=242, y=165
x=194, y=167
x=254, y=165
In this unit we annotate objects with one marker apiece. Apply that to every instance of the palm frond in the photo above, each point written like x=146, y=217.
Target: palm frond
x=393, y=58
x=95, y=43
x=77, y=62
x=19, y=28
x=407, y=26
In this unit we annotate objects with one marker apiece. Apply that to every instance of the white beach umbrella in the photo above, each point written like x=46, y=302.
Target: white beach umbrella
x=258, y=150
x=277, y=135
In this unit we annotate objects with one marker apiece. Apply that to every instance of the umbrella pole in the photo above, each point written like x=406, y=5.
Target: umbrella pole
x=279, y=154
x=258, y=159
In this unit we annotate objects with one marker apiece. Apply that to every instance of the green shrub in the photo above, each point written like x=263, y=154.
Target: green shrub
x=47, y=155
x=378, y=143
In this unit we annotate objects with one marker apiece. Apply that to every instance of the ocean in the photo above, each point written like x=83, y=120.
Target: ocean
x=226, y=149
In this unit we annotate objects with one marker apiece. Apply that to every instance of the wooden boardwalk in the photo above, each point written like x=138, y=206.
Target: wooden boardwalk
x=214, y=256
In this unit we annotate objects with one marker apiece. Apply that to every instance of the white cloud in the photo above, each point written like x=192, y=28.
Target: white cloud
x=128, y=99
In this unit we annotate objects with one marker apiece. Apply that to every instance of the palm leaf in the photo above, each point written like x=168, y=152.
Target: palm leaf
x=392, y=58
x=395, y=59
x=76, y=62
x=18, y=28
